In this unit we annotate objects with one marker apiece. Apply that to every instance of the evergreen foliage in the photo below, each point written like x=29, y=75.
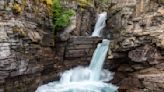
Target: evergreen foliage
x=61, y=16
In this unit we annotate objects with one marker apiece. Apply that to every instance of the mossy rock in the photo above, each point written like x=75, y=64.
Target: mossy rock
x=161, y=1
x=48, y=2
x=85, y=3
x=17, y=8
x=21, y=32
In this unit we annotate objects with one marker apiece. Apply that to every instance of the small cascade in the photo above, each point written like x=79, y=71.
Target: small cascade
x=86, y=79
x=98, y=60
x=100, y=24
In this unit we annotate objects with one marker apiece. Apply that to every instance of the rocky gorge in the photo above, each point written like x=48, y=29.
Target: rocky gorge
x=29, y=55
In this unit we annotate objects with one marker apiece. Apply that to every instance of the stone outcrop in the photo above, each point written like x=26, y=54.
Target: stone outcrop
x=24, y=45
x=84, y=25
x=137, y=45
x=77, y=49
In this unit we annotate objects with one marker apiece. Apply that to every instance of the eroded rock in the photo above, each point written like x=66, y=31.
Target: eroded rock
x=140, y=37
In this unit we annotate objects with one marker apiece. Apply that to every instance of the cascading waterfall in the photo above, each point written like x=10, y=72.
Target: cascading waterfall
x=86, y=79
x=100, y=24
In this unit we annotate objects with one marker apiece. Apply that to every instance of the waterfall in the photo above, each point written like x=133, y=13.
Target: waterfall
x=100, y=24
x=86, y=79
x=98, y=60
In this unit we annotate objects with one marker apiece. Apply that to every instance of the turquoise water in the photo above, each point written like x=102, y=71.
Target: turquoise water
x=86, y=79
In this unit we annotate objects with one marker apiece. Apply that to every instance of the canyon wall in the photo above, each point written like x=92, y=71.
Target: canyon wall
x=30, y=57
x=137, y=28
x=26, y=44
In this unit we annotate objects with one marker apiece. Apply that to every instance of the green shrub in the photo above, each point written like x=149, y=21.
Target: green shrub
x=61, y=16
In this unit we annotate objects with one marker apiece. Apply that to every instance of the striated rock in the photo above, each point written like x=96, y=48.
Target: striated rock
x=28, y=57
x=34, y=36
x=22, y=54
x=85, y=21
x=137, y=45
x=142, y=54
x=78, y=48
x=137, y=66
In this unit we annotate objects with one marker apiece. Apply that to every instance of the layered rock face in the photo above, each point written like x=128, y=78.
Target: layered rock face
x=25, y=44
x=78, y=50
x=28, y=56
x=137, y=47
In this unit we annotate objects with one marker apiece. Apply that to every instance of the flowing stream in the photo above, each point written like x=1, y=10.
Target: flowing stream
x=86, y=79
x=100, y=24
